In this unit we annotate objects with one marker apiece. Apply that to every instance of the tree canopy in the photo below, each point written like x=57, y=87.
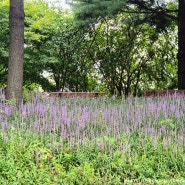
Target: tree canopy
x=117, y=48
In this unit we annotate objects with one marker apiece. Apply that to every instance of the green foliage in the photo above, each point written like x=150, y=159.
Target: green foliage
x=38, y=16
x=54, y=46
x=124, y=57
x=133, y=56
x=4, y=7
x=89, y=12
x=29, y=161
x=65, y=57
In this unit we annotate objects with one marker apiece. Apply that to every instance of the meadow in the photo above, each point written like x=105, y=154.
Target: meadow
x=92, y=141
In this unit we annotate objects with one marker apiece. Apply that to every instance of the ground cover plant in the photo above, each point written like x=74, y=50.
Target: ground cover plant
x=92, y=141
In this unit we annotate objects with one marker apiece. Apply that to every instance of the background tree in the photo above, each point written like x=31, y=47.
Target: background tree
x=58, y=50
x=57, y=46
x=158, y=13
x=88, y=12
x=4, y=41
x=130, y=56
x=47, y=30
x=39, y=17
x=16, y=51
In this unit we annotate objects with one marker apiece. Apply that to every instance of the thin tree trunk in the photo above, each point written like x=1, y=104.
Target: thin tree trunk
x=181, y=45
x=16, y=51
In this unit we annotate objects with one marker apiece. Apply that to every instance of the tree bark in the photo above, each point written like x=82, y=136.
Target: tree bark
x=181, y=45
x=16, y=51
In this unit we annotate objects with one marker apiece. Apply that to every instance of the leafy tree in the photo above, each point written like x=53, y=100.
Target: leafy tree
x=55, y=45
x=156, y=13
x=39, y=16
x=61, y=51
x=161, y=14
x=4, y=8
x=125, y=55
x=16, y=51
x=47, y=30
x=88, y=12
x=162, y=70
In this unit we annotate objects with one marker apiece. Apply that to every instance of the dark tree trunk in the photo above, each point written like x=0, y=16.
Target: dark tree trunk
x=181, y=45
x=16, y=51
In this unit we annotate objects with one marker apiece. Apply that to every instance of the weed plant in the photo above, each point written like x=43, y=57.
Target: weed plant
x=93, y=141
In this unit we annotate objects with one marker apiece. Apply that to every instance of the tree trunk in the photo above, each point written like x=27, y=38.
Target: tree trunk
x=16, y=51
x=181, y=45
